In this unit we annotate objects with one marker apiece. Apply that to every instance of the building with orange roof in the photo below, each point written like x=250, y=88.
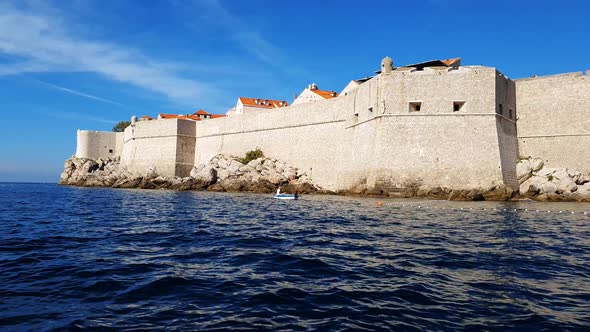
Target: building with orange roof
x=179, y=116
x=312, y=93
x=196, y=116
x=247, y=105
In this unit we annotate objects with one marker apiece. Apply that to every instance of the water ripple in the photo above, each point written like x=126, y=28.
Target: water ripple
x=104, y=259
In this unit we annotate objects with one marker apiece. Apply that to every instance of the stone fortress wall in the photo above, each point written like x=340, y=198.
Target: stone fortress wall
x=554, y=119
x=452, y=127
x=98, y=144
x=166, y=144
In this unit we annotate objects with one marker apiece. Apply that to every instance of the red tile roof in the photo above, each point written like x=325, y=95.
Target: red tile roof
x=452, y=62
x=325, y=94
x=180, y=116
x=201, y=112
x=263, y=103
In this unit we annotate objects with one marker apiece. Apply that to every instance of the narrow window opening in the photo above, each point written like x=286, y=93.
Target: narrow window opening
x=415, y=106
x=501, y=109
x=110, y=150
x=458, y=105
x=510, y=114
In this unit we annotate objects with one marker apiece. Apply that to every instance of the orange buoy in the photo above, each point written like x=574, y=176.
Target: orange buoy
x=379, y=203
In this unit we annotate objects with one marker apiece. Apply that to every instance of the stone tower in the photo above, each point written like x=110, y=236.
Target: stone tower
x=386, y=65
x=386, y=68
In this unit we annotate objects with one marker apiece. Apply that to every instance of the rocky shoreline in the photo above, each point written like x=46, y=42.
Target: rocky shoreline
x=543, y=183
x=264, y=175
x=222, y=173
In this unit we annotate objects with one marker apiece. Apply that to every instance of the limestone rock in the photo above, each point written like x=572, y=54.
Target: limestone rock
x=524, y=170
x=551, y=184
x=536, y=164
x=207, y=175
x=254, y=163
x=151, y=173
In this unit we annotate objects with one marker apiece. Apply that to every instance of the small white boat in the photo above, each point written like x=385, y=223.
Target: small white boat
x=286, y=196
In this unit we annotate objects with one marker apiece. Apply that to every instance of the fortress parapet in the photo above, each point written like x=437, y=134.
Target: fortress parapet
x=98, y=144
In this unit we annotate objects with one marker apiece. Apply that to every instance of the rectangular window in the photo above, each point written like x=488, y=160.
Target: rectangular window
x=110, y=150
x=415, y=106
x=501, y=109
x=458, y=105
x=510, y=114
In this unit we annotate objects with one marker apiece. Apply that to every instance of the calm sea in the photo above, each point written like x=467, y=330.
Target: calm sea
x=106, y=259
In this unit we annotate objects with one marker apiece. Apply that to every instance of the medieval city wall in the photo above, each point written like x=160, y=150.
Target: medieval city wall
x=371, y=136
x=553, y=113
x=98, y=144
x=506, y=128
x=166, y=144
x=438, y=145
x=308, y=136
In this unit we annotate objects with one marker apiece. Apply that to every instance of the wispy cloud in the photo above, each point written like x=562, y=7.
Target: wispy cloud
x=247, y=37
x=72, y=116
x=77, y=93
x=43, y=42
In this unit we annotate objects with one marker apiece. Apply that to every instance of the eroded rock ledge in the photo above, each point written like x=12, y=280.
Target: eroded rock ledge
x=264, y=175
x=543, y=183
x=221, y=173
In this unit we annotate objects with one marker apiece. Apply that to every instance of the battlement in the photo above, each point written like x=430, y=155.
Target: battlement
x=98, y=144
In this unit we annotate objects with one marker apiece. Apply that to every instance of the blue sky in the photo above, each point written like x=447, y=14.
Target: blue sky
x=86, y=64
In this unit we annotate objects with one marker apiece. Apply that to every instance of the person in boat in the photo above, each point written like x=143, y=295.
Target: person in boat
x=278, y=190
x=296, y=195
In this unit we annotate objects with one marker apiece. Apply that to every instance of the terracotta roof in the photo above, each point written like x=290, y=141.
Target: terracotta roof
x=263, y=103
x=146, y=117
x=201, y=112
x=325, y=94
x=180, y=116
x=452, y=62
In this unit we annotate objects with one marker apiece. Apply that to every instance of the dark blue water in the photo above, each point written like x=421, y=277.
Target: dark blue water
x=78, y=258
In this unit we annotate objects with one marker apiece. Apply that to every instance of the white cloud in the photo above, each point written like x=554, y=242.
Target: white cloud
x=42, y=42
x=77, y=93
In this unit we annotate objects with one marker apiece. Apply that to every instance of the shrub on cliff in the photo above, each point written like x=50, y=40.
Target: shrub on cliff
x=119, y=127
x=251, y=155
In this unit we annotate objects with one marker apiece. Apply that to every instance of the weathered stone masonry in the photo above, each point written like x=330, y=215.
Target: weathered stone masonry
x=450, y=127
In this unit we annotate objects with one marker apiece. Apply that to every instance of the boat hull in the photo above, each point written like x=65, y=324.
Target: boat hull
x=286, y=196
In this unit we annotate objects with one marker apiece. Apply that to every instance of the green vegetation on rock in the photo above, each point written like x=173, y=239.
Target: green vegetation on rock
x=251, y=155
